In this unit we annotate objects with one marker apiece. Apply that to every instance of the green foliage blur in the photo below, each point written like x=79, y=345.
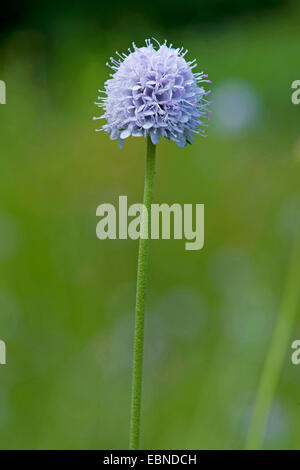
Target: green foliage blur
x=67, y=298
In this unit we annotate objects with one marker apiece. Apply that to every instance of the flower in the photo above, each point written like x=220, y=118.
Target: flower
x=153, y=91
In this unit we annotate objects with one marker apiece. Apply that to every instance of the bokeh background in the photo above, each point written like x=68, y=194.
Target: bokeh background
x=67, y=298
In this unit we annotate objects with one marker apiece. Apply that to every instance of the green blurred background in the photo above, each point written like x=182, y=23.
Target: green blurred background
x=67, y=298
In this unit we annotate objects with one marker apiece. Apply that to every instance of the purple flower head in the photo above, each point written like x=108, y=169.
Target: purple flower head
x=154, y=91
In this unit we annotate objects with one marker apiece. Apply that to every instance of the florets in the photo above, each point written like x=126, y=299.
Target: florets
x=153, y=91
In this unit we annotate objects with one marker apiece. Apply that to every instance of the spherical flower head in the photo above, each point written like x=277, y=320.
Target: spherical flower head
x=153, y=91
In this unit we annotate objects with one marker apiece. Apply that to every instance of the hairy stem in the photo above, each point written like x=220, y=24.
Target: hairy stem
x=145, y=231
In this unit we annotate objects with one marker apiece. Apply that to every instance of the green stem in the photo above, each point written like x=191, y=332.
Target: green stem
x=142, y=269
x=276, y=354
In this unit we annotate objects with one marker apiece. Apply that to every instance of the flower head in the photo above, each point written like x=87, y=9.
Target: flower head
x=154, y=91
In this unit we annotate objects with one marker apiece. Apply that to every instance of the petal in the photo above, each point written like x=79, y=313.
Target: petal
x=181, y=143
x=114, y=134
x=154, y=137
x=137, y=133
x=121, y=143
x=124, y=134
x=148, y=125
